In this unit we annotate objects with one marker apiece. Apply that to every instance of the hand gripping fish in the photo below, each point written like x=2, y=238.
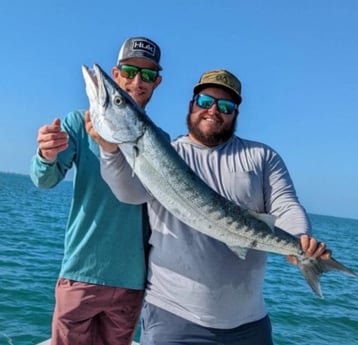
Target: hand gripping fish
x=118, y=119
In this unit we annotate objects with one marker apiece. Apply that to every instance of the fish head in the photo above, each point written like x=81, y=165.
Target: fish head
x=115, y=116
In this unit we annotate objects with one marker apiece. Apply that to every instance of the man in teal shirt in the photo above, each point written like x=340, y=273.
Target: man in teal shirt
x=100, y=287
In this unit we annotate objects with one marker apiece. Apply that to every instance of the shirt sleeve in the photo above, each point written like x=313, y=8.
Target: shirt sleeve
x=121, y=179
x=47, y=174
x=281, y=199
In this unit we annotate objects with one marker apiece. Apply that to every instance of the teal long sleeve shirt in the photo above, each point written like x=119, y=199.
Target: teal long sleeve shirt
x=104, y=238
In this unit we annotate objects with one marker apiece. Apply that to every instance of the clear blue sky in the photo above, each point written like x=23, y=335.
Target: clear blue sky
x=297, y=60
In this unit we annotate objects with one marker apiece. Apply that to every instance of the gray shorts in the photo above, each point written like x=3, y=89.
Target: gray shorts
x=160, y=327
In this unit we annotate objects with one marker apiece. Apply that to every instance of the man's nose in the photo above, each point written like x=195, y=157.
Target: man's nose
x=213, y=109
x=137, y=79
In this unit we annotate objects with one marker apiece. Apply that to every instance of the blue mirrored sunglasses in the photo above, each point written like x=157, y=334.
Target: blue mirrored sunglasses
x=225, y=106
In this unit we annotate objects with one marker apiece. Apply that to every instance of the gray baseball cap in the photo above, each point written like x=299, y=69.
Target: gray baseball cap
x=140, y=47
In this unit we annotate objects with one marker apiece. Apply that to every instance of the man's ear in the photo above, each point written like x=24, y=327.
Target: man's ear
x=157, y=81
x=115, y=72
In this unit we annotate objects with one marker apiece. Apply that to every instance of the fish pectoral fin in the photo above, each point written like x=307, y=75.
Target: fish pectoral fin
x=135, y=153
x=264, y=217
x=239, y=251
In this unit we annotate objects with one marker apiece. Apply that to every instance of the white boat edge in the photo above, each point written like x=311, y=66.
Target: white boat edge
x=48, y=342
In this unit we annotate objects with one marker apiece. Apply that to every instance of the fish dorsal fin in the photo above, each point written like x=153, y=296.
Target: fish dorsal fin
x=264, y=217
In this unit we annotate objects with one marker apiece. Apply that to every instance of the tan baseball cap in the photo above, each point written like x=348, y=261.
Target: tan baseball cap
x=221, y=78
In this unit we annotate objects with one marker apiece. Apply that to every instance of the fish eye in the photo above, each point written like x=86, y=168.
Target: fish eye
x=117, y=100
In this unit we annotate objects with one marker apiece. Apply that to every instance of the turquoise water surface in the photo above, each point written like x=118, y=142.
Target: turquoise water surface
x=32, y=225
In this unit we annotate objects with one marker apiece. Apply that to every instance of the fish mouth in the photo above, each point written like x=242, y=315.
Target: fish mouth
x=97, y=85
x=91, y=77
x=96, y=89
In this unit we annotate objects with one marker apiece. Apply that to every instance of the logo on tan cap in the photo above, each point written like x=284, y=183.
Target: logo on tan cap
x=222, y=78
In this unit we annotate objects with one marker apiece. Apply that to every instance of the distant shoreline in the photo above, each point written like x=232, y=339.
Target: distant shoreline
x=69, y=179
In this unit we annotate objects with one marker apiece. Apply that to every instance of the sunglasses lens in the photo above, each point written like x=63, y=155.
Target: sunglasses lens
x=128, y=71
x=225, y=106
x=204, y=101
x=149, y=75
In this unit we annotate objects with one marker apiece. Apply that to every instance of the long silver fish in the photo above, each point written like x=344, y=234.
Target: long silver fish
x=118, y=119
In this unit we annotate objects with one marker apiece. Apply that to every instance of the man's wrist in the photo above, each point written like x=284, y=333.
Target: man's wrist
x=44, y=159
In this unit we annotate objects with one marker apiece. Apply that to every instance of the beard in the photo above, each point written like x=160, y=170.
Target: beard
x=212, y=138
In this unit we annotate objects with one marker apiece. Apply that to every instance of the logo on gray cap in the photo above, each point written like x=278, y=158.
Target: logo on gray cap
x=144, y=46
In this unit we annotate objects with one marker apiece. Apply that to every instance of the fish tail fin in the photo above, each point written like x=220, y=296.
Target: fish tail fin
x=312, y=269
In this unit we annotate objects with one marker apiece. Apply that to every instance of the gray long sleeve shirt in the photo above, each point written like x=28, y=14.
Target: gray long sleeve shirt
x=190, y=274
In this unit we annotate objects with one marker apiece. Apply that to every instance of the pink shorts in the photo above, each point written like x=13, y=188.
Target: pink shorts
x=87, y=314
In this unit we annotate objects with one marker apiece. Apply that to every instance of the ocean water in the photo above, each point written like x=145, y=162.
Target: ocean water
x=32, y=225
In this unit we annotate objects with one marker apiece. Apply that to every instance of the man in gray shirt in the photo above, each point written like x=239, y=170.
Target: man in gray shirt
x=198, y=291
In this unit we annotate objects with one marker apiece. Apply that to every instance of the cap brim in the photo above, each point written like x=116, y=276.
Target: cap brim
x=144, y=58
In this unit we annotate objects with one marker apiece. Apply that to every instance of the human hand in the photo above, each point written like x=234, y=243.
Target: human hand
x=311, y=248
x=105, y=145
x=51, y=140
